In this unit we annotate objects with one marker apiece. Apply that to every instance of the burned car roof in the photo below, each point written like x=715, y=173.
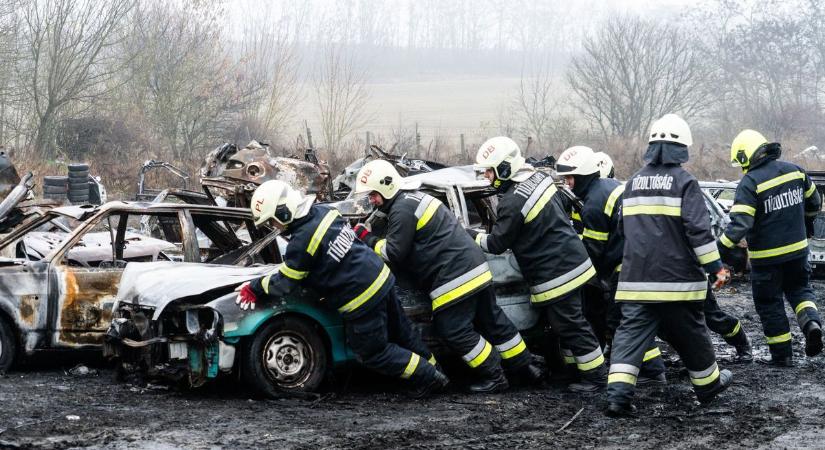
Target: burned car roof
x=462, y=176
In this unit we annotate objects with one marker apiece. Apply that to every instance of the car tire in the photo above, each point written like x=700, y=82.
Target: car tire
x=55, y=180
x=285, y=355
x=78, y=167
x=47, y=189
x=8, y=345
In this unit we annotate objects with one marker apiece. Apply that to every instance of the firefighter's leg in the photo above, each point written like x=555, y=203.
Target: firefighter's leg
x=594, y=308
x=729, y=327
x=689, y=337
x=401, y=330
x=767, y=297
x=367, y=336
x=494, y=325
x=454, y=324
x=636, y=331
x=565, y=316
x=800, y=294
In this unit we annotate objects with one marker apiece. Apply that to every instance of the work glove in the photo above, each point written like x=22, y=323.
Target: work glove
x=246, y=296
x=365, y=235
x=722, y=278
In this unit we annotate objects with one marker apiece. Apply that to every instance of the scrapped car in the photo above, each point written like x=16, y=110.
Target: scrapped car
x=61, y=270
x=817, y=243
x=721, y=191
x=180, y=321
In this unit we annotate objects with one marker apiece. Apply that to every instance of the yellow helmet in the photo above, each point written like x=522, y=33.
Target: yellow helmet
x=744, y=148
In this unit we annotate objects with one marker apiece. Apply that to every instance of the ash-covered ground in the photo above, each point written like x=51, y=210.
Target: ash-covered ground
x=46, y=407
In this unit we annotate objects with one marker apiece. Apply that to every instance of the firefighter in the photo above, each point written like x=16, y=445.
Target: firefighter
x=531, y=221
x=668, y=241
x=582, y=172
x=424, y=239
x=605, y=163
x=774, y=207
x=324, y=253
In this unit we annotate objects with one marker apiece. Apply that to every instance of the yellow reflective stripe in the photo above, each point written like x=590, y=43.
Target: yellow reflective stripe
x=596, y=235
x=411, y=366
x=803, y=305
x=790, y=248
x=725, y=240
x=590, y=365
x=289, y=272
x=708, y=257
x=320, y=232
x=265, y=283
x=704, y=381
x=379, y=247
x=478, y=238
x=619, y=377
x=564, y=288
x=749, y=210
x=611, y=200
x=432, y=360
x=618, y=268
x=368, y=293
x=659, y=210
x=515, y=351
x=778, y=339
x=569, y=360
x=735, y=330
x=536, y=209
x=460, y=291
x=652, y=353
x=774, y=182
x=660, y=296
x=576, y=216
x=478, y=360
x=810, y=190
x=428, y=214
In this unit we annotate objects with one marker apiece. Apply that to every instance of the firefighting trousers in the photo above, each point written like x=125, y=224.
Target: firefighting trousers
x=772, y=285
x=578, y=343
x=384, y=340
x=477, y=329
x=722, y=323
x=683, y=326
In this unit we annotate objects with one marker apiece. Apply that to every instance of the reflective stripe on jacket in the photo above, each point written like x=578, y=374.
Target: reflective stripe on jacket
x=770, y=207
x=600, y=216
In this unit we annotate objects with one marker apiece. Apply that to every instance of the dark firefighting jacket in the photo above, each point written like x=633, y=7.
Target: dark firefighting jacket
x=424, y=239
x=531, y=220
x=600, y=216
x=770, y=208
x=667, y=232
x=324, y=253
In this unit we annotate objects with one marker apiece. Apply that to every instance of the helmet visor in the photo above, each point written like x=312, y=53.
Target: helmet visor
x=282, y=215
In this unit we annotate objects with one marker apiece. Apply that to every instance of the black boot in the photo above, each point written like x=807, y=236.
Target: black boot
x=813, y=339
x=744, y=352
x=658, y=380
x=777, y=361
x=437, y=384
x=620, y=410
x=725, y=379
x=588, y=386
x=496, y=383
x=527, y=376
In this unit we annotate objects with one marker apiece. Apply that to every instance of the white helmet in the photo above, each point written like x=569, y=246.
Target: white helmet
x=605, y=164
x=380, y=176
x=500, y=154
x=671, y=128
x=275, y=199
x=578, y=160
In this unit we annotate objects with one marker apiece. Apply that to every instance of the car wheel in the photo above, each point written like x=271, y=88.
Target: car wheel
x=8, y=345
x=286, y=355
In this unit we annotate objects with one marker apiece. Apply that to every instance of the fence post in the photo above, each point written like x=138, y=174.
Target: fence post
x=463, y=149
x=368, y=140
x=417, y=139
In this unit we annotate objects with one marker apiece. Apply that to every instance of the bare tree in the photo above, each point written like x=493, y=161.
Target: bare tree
x=341, y=92
x=66, y=45
x=633, y=71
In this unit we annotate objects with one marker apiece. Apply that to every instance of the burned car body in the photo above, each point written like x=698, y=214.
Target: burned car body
x=61, y=271
x=816, y=244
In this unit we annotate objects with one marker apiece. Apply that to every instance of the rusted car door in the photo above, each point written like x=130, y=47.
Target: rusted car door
x=85, y=274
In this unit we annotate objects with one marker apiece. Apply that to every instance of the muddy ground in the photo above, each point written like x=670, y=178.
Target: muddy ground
x=45, y=407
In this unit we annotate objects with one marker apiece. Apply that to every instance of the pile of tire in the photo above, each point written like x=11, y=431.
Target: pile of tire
x=78, y=183
x=55, y=187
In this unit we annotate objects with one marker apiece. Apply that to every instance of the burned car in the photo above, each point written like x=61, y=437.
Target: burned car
x=817, y=243
x=61, y=270
x=180, y=321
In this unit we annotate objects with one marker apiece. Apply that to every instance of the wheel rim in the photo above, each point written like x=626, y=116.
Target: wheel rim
x=288, y=359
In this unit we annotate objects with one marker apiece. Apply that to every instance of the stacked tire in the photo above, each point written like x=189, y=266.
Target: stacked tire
x=55, y=188
x=78, y=183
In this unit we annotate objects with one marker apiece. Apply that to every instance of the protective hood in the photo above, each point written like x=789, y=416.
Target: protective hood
x=665, y=153
x=767, y=152
x=583, y=183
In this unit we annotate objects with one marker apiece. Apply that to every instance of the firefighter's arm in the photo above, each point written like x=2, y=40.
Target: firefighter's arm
x=596, y=232
x=696, y=221
x=813, y=204
x=400, y=236
x=296, y=267
x=505, y=230
x=742, y=214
